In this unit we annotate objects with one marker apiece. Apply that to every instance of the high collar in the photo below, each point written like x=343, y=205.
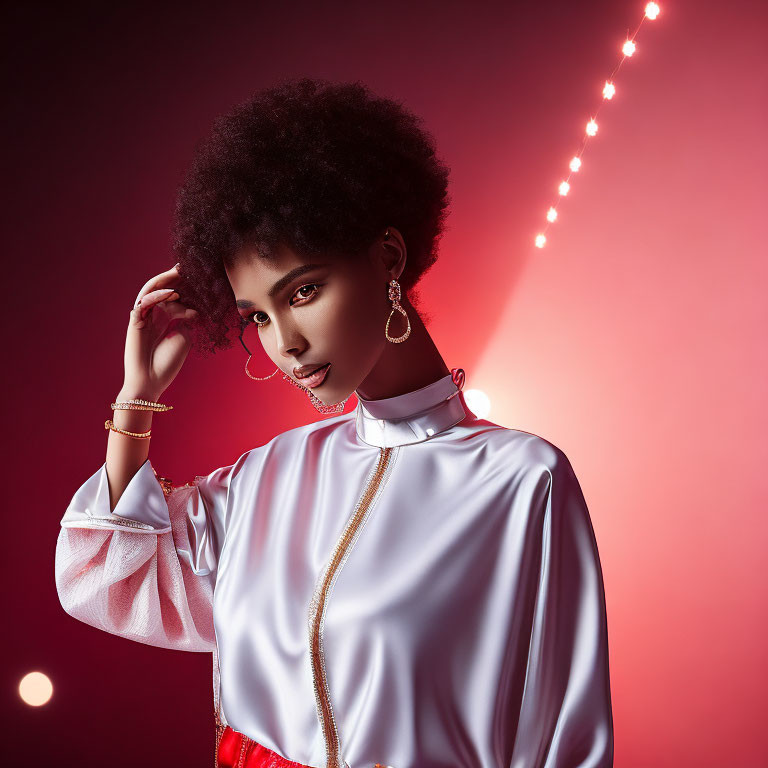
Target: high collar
x=411, y=417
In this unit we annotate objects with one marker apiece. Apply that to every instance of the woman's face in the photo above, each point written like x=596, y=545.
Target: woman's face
x=333, y=312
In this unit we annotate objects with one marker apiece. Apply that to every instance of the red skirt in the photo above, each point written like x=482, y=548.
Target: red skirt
x=236, y=750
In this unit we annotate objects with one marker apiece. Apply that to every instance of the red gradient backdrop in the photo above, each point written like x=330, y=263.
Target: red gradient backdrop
x=635, y=340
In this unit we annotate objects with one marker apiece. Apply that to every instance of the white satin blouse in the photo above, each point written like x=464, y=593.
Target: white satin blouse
x=404, y=584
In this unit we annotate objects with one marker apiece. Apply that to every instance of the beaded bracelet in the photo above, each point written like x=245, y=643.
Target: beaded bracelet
x=108, y=424
x=140, y=405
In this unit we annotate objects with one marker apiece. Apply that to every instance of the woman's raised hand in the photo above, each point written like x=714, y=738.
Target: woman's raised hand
x=158, y=338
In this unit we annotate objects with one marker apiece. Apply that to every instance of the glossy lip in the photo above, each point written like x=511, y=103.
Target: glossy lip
x=297, y=371
x=316, y=379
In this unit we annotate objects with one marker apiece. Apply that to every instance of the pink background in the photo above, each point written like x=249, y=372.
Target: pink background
x=635, y=340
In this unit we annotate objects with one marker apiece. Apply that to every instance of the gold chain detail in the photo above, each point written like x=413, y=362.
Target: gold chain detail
x=220, y=728
x=317, y=609
x=109, y=424
x=243, y=745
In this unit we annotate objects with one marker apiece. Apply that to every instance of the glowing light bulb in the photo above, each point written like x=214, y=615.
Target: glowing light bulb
x=575, y=164
x=591, y=128
x=628, y=48
x=652, y=11
x=551, y=214
x=477, y=402
x=35, y=689
x=609, y=90
x=540, y=240
x=563, y=188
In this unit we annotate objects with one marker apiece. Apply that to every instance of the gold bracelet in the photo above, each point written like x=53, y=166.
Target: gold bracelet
x=109, y=425
x=140, y=405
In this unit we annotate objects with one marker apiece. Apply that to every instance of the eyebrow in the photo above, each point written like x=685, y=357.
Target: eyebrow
x=284, y=281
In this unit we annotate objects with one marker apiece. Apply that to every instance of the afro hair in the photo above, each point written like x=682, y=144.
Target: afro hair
x=318, y=166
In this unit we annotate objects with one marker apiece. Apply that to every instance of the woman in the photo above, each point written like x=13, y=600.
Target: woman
x=403, y=585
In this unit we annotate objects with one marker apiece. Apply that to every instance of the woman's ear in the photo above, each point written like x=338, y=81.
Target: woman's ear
x=394, y=253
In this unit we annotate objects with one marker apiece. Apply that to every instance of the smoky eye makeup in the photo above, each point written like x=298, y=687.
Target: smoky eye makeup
x=251, y=318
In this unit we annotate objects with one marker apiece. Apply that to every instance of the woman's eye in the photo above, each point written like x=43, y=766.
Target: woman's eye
x=308, y=285
x=255, y=316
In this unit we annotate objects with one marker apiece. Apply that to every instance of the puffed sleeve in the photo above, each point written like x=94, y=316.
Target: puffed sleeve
x=565, y=718
x=146, y=570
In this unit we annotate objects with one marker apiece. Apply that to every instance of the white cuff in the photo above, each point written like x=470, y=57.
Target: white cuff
x=141, y=508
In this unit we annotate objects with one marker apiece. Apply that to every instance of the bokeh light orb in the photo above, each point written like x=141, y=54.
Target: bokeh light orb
x=478, y=402
x=628, y=48
x=35, y=689
x=652, y=10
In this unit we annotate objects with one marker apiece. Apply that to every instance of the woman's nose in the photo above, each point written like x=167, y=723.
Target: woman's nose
x=288, y=339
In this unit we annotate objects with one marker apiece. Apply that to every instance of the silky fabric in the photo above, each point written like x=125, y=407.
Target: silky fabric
x=236, y=750
x=466, y=627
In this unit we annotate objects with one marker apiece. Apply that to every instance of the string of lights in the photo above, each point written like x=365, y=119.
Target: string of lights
x=628, y=49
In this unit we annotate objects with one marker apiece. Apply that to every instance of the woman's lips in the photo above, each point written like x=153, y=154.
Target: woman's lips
x=317, y=378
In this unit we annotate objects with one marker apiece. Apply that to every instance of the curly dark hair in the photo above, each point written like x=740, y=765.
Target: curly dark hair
x=318, y=166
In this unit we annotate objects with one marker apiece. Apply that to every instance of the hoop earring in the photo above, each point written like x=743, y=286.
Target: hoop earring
x=258, y=378
x=316, y=401
x=394, y=295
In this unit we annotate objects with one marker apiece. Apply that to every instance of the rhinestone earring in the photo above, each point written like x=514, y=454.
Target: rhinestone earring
x=258, y=378
x=250, y=355
x=316, y=401
x=394, y=295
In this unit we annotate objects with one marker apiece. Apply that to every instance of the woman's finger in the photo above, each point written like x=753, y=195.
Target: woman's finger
x=175, y=309
x=165, y=279
x=146, y=302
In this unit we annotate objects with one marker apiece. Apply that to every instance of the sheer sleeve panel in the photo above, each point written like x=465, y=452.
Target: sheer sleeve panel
x=145, y=571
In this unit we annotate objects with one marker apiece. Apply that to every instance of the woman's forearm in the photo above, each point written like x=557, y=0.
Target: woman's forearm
x=126, y=454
